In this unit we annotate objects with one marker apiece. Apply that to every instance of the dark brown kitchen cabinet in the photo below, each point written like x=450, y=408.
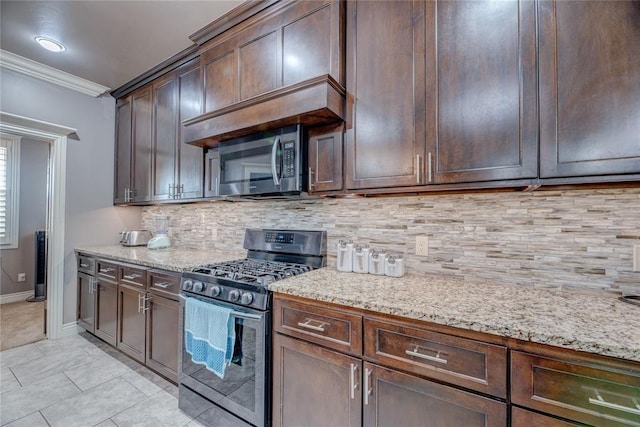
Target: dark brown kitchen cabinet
x=313, y=386
x=589, y=88
x=131, y=321
x=106, y=320
x=325, y=158
x=393, y=398
x=86, y=302
x=385, y=142
x=481, y=91
x=162, y=308
x=585, y=390
x=177, y=167
x=134, y=147
x=523, y=418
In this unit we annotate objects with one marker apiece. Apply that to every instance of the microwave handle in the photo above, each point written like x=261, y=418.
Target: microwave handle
x=274, y=155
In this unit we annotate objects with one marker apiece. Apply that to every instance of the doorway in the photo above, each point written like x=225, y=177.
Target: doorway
x=56, y=136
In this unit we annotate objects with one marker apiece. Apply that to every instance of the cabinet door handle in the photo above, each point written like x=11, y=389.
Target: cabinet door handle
x=599, y=400
x=435, y=358
x=180, y=191
x=311, y=184
x=418, y=168
x=367, y=383
x=83, y=265
x=132, y=276
x=307, y=324
x=163, y=285
x=145, y=306
x=107, y=270
x=353, y=384
x=429, y=167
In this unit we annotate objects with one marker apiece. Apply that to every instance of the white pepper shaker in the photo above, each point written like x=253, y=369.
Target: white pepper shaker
x=376, y=262
x=360, y=259
x=344, y=256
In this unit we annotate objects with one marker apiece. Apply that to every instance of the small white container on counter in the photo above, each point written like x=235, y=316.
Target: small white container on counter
x=344, y=256
x=360, y=259
x=394, y=266
x=376, y=262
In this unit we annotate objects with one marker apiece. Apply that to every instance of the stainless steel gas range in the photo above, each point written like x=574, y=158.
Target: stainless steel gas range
x=242, y=396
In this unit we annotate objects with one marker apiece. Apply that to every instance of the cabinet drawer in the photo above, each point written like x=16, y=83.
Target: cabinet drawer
x=585, y=392
x=335, y=329
x=133, y=275
x=107, y=269
x=163, y=283
x=467, y=363
x=523, y=418
x=87, y=264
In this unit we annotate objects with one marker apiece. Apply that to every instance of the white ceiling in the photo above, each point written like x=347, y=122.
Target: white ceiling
x=109, y=42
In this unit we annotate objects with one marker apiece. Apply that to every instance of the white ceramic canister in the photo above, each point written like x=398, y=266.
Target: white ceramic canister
x=344, y=256
x=394, y=265
x=360, y=259
x=376, y=262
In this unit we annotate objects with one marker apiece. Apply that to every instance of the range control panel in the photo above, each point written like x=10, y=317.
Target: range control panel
x=274, y=237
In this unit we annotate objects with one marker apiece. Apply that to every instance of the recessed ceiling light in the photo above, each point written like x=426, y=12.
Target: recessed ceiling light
x=50, y=44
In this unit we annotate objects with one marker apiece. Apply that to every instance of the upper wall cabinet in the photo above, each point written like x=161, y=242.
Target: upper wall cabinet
x=133, y=147
x=385, y=142
x=482, y=91
x=282, y=66
x=589, y=88
x=177, y=167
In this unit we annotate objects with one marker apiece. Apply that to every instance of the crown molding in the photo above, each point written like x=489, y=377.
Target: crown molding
x=17, y=63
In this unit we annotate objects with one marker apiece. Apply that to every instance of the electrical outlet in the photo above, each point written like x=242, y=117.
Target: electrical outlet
x=422, y=245
x=636, y=258
x=214, y=234
x=22, y=277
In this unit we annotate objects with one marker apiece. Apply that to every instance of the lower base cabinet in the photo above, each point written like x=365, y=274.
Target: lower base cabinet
x=106, y=311
x=162, y=335
x=131, y=322
x=523, y=418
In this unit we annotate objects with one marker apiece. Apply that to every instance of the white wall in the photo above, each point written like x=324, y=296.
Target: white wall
x=34, y=158
x=91, y=218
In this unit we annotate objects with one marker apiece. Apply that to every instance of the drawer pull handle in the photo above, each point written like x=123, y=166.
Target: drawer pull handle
x=132, y=276
x=163, y=285
x=435, y=358
x=107, y=270
x=352, y=380
x=308, y=325
x=367, y=382
x=601, y=402
x=83, y=265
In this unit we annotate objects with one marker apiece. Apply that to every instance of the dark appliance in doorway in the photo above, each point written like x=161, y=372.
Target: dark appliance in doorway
x=242, y=397
x=40, y=267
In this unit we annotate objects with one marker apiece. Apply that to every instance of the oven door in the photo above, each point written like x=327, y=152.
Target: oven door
x=244, y=391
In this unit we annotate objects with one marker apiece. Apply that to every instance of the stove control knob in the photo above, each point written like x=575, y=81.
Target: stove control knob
x=215, y=290
x=234, y=295
x=246, y=298
x=198, y=287
x=187, y=285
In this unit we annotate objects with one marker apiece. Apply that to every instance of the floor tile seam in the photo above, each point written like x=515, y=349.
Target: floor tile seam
x=128, y=407
x=142, y=391
x=52, y=373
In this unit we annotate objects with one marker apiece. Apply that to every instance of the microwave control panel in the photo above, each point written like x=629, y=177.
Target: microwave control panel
x=289, y=159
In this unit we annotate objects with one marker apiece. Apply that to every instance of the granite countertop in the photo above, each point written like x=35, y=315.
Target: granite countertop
x=594, y=323
x=173, y=258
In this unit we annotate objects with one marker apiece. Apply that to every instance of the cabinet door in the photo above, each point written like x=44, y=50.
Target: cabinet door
x=123, y=151
x=106, y=311
x=86, y=302
x=190, y=157
x=131, y=322
x=395, y=399
x=162, y=335
x=385, y=144
x=325, y=159
x=142, y=108
x=485, y=91
x=314, y=387
x=165, y=136
x=589, y=88
x=523, y=418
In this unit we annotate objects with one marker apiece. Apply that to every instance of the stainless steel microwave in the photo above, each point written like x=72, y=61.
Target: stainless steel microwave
x=269, y=163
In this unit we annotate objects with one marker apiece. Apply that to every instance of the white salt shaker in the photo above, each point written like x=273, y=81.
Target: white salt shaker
x=360, y=259
x=394, y=266
x=344, y=256
x=376, y=262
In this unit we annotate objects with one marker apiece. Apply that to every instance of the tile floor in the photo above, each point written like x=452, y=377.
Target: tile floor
x=81, y=381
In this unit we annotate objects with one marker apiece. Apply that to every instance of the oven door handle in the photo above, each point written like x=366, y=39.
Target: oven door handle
x=234, y=313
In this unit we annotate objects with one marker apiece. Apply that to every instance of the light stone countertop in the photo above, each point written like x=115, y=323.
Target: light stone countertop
x=594, y=323
x=172, y=258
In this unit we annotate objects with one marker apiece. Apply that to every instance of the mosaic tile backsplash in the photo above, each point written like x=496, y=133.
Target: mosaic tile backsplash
x=578, y=239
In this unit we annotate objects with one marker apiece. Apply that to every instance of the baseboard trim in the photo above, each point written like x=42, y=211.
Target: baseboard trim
x=69, y=329
x=15, y=297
